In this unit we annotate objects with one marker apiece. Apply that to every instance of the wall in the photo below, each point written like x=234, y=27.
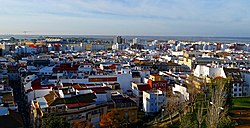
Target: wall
x=182, y=90
x=37, y=93
x=246, y=86
x=125, y=81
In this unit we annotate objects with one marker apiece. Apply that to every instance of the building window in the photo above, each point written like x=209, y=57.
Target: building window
x=239, y=94
x=154, y=85
x=235, y=89
x=235, y=94
x=239, y=89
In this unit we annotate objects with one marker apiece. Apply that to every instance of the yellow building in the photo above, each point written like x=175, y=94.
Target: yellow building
x=155, y=77
x=88, y=47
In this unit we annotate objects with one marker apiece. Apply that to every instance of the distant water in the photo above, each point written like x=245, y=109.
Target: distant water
x=161, y=38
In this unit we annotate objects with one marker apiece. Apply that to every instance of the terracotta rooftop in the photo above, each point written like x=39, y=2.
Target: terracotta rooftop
x=144, y=87
x=36, y=85
x=83, y=98
x=51, y=97
x=101, y=89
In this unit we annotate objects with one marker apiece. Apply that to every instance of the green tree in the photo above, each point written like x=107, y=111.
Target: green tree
x=227, y=122
x=200, y=117
x=52, y=121
x=189, y=121
x=217, y=108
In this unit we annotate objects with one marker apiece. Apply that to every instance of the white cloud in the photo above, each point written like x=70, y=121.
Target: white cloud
x=179, y=17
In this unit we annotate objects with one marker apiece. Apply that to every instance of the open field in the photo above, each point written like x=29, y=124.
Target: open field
x=240, y=111
x=241, y=103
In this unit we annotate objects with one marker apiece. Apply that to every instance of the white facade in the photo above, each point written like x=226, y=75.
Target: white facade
x=30, y=78
x=136, y=41
x=205, y=71
x=46, y=71
x=118, y=46
x=153, y=101
x=101, y=98
x=125, y=81
x=85, y=68
x=37, y=94
x=237, y=90
x=144, y=74
x=182, y=90
x=177, y=53
x=246, y=86
x=23, y=49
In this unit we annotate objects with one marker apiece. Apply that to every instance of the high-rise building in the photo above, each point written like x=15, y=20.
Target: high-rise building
x=117, y=39
x=136, y=41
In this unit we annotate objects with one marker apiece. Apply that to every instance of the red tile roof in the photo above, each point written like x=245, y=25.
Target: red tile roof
x=100, y=89
x=36, y=85
x=96, y=89
x=155, y=74
x=80, y=104
x=145, y=87
x=66, y=67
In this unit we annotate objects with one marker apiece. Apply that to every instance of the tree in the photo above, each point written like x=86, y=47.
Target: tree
x=111, y=119
x=193, y=92
x=107, y=120
x=200, y=116
x=216, y=107
x=83, y=124
x=189, y=121
x=171, y=107
x=52, y=121
x=226, y=122
x=180, y=106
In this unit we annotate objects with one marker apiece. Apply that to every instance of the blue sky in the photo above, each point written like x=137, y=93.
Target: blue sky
x=126, y=17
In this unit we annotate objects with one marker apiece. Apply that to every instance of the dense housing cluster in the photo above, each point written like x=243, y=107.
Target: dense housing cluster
x=81, y=79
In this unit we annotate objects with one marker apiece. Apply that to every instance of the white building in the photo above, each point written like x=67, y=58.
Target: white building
x=118, y=46
x=136, y=41
x=209, y=71
x=46, y=71
x=236, y=79
x=85, y=68
x=246, y=87
x=182, y=90
x=153, y=101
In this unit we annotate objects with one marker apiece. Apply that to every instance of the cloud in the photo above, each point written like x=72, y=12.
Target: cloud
x=126, y=16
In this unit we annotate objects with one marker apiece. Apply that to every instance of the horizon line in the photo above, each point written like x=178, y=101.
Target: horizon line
x=125, y=35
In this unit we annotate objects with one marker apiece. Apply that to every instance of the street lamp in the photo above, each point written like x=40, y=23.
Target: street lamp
x=215, y=106
x=221, y=108
x=217, y=110
x=162, y=110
